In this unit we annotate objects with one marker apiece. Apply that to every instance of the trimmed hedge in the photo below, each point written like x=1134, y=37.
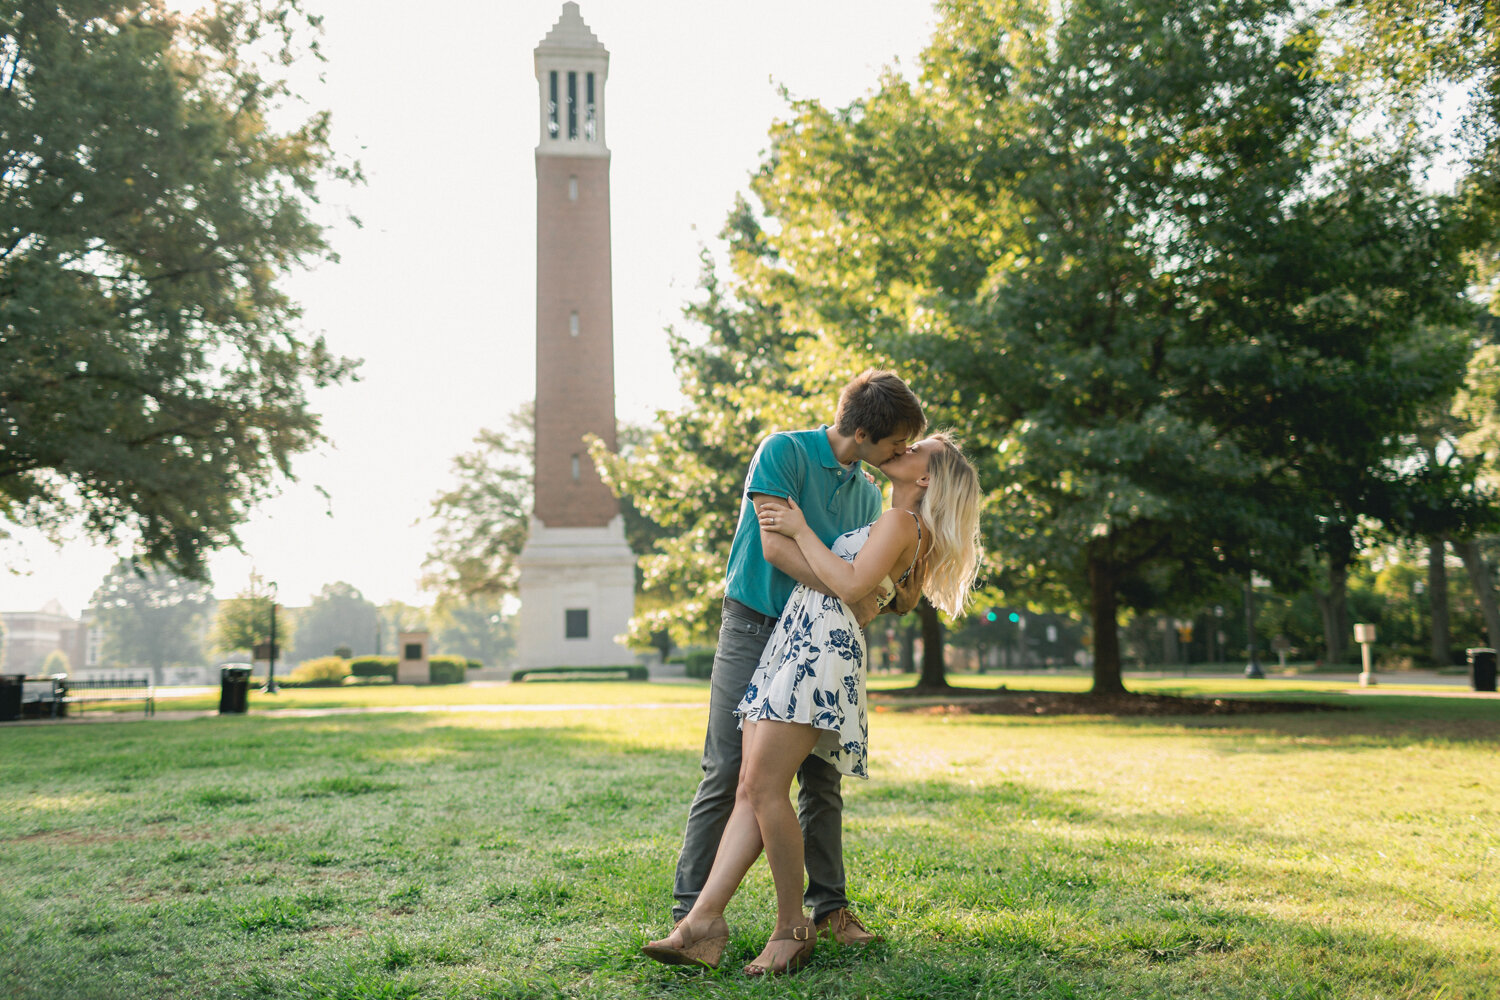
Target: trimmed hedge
x=698, y=663
x=325, y=671
x=373, y=666
x=446, y=669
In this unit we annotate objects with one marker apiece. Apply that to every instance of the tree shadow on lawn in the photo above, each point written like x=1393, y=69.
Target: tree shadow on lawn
x=1389, y=722
x=1305, y=722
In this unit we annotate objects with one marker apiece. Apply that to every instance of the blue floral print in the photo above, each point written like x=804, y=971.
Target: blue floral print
x=813, y=672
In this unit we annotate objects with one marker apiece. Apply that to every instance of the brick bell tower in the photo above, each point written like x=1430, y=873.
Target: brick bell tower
x=577, y=573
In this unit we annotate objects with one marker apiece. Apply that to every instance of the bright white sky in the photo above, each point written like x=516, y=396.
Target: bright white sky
x=437, y=291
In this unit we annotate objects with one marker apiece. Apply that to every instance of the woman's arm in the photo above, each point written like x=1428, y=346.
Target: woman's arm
x=892, y=539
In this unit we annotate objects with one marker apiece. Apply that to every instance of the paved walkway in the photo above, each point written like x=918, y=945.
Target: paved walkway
x=314, y=713
x=1387, y=684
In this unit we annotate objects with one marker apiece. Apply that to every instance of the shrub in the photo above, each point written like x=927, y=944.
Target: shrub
x=373, y=666
x=56, y=663
x=343, y=651
x=446, y=669
x=474, y=664
x=698, y=663
x=325, y=671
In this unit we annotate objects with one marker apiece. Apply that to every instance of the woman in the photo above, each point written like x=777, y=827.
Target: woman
x=808, y=694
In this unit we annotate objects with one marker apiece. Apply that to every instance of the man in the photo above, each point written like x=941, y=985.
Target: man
x=878, y=415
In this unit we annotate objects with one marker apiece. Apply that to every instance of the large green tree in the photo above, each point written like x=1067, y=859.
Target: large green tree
x=477, y=629
x=1110, y=236
x=746, y=373
x=480, y=524
x=338, y=616
x=151, y=618
x=244, y=621
x=153, y=380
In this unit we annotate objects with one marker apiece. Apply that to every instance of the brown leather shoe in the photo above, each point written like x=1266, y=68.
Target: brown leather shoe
x=844, y=927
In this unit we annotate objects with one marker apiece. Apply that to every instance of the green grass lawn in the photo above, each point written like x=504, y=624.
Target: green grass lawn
x=528, y=854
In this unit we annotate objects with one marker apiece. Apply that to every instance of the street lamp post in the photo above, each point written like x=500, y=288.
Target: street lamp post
x=271, y=687
x=1217, y=653
x=1253, y=668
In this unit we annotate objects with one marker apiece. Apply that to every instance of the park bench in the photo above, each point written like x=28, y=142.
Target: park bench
x=44, y=694
x=631, y=673
x=83, y=690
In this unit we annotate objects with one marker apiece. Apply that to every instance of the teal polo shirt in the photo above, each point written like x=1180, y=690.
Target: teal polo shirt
x=800, y=465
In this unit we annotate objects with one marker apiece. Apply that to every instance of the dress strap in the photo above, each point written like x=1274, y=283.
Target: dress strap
x=915, y=555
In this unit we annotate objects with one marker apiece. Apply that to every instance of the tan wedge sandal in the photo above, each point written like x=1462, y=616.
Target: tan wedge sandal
x=804, y=932
x=705, y=950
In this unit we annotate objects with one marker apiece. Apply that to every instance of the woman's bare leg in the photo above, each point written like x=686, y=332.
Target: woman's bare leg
x=770, y=762
x=739, y=846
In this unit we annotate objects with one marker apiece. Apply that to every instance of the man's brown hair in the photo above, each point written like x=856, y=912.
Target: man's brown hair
x=881, y=404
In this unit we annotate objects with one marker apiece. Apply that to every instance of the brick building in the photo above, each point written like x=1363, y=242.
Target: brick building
x=30, y=636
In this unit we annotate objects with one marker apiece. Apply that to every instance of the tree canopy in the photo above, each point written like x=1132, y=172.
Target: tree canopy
x=747, y=372
x=151, y=618
x=153, y=380
x=338, y=616
x=1132, y=252
x=480, y=524
x=244, y=621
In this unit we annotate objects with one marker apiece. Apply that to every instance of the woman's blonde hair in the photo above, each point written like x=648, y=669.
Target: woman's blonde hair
x=950, y=508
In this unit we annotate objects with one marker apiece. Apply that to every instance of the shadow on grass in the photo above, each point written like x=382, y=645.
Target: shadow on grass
x=1381, y=722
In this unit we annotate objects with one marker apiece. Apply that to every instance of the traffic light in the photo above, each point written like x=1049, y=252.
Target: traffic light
x=992, y=615
x=1015, y=617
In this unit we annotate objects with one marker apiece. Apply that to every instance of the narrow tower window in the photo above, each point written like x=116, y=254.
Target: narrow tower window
x=552, y=105
x=591, y=118
x=573, y=329
x=576, y=469
x=576, y=623
x=572, y=105
x=572, y=188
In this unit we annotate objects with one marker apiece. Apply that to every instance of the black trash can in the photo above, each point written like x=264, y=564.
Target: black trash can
x=1482, y=669
x=11, y=686
x=234, y=690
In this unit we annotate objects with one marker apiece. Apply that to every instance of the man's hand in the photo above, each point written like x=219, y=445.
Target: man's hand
x=909, y=593
x=864, y=610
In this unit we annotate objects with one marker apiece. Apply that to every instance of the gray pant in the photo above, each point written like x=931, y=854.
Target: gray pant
x=820, y=804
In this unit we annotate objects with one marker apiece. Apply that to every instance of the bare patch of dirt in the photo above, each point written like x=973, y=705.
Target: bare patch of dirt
x=1008, y=702
x=73, y=837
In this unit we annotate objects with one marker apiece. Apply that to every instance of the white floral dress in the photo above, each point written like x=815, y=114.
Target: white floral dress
x=813, y=669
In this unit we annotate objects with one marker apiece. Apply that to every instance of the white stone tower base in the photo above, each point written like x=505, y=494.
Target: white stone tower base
x=565, y=571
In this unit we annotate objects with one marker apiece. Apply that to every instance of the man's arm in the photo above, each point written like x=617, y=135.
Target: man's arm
x=782, y=552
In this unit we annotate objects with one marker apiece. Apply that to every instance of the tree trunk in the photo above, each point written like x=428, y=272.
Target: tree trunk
x=1484, y=590
x=1335, y=607
x=1103, y=607
x=934, y=673
x=1437, y=598
x=909, y=648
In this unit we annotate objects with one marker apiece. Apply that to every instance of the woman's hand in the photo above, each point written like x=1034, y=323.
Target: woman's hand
x=782, y=518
